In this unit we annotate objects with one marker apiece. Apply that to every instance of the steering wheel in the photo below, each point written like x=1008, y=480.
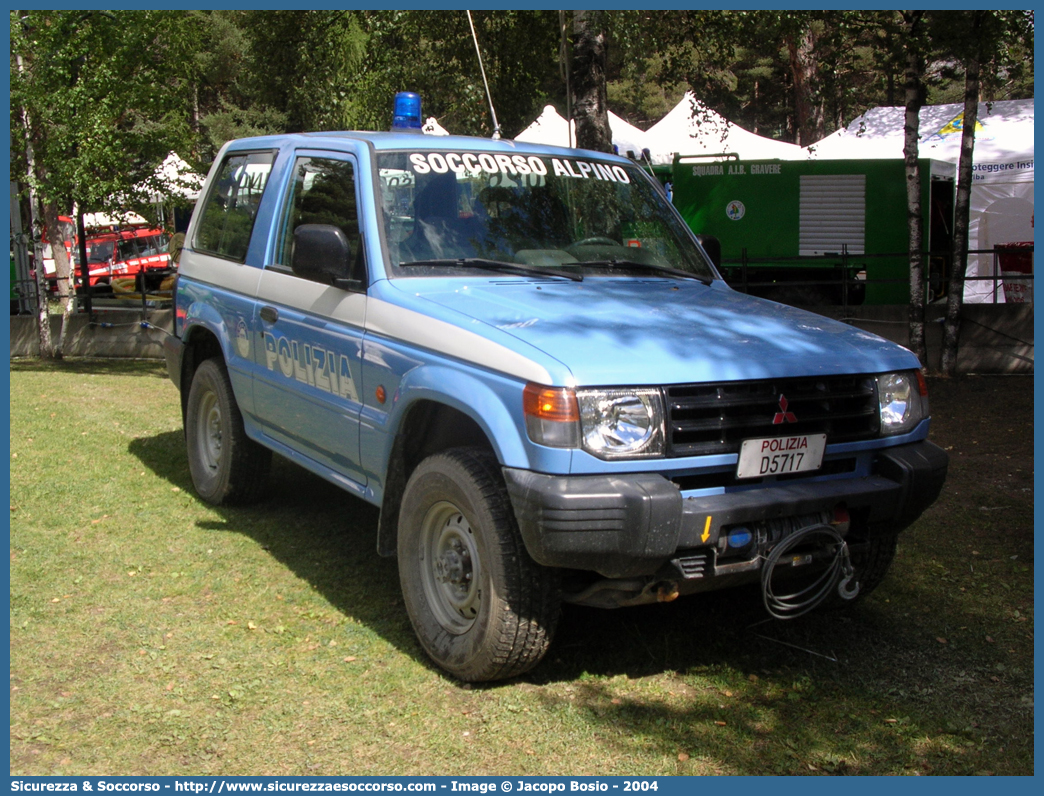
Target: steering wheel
x=593, y=242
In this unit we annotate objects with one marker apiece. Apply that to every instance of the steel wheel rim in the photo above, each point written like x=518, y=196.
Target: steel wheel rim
x=451, y=570
x=208, y=437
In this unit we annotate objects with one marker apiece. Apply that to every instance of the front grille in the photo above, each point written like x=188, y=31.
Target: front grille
x=705, y=419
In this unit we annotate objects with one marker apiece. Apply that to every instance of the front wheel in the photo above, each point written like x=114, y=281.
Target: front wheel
x=871, y=564
x=227, y=466
x=480, y=606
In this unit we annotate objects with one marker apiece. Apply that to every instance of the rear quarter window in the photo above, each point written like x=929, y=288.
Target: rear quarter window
x=230, y=210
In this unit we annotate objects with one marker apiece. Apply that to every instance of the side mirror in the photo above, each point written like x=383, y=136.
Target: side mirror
x=712, y=246
x=322, y=253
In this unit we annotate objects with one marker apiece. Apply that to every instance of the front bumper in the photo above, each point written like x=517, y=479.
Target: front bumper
x=631, y=525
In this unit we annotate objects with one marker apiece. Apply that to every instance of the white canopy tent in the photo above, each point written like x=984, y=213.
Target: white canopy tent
x=432, y=127
x=692, y=128
x=104, y=221
x=1002, y=188
x=173, y=181
x=550, y=128
x=174, y=178
x=628, y=139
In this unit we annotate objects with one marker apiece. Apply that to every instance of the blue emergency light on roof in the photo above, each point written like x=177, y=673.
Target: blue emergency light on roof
x=407, y=115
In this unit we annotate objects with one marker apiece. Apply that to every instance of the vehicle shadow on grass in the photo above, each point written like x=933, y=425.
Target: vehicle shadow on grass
x=323, y=535
x=328, y=538
x=712, y=678
x=839, y=692
x=95, y=366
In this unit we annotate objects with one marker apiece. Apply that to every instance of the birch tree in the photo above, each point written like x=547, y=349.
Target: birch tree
x=913, y=24
x=96, y=105
x=980, y=39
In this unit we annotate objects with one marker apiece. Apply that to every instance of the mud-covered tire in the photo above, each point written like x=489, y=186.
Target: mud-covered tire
x=227, y=467
x=872, y=563
x=480, y=606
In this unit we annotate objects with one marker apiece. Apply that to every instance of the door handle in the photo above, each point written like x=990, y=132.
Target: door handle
x=269, y=314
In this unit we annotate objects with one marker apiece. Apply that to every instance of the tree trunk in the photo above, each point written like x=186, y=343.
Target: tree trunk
x=566, y=69
x=914, y=217
x=955, y=298
x=809, y=122
x=43, y=310
x=62, y=263
x=63, y=272
x=43, y=320
x=590, y=104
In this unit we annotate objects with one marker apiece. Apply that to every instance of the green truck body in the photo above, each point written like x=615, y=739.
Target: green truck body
x=785, y=227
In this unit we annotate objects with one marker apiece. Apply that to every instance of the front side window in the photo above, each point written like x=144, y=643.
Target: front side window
x=573, y=216
x=100, y=252
x=144, y=246
x=323, y=192
x=231, y=206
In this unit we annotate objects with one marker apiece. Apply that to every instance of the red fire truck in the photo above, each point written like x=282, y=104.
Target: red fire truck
x=113, y=251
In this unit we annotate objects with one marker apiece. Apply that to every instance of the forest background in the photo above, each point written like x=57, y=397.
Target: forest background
x=122, y=89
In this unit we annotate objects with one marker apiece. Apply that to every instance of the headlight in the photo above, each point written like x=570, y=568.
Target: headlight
x=621, y=423
x=902, y=400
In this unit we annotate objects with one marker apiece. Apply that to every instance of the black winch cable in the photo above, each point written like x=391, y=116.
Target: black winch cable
x=838, y=573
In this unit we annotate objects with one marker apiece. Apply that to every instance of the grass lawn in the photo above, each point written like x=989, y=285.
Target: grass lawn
x=154, y=634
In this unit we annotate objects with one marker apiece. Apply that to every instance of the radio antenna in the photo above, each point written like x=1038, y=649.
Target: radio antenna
x=492, y=110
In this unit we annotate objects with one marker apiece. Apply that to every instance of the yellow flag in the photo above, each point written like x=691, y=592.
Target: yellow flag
x=956, y=125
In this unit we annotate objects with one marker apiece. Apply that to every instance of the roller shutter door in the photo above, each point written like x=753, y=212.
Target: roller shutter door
x=832, y=213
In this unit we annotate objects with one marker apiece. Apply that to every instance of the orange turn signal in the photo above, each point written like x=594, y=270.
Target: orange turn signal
x=922, y=385
x=557, y=404
x=552, y=416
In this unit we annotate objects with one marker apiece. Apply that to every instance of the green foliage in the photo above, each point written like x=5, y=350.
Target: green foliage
x=738, y=62
x=104, y=93
x=109, y=94
x=223, y=106
x=432, y=52
x=1002, y=41
x=300, y=62
x=261, y=72
x=635, y=94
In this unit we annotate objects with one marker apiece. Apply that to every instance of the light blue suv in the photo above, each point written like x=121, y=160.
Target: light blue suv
x=523, y=356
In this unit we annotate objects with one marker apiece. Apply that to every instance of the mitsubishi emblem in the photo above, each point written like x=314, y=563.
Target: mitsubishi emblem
x=783, y=416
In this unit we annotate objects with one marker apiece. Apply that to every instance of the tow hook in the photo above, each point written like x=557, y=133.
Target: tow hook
x=848, y=573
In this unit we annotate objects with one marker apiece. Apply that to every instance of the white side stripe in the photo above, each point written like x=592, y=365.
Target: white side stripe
x=233, y=277
x=312, y=298
x=423, y=331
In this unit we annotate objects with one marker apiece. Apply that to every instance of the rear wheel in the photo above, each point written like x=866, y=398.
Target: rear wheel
x=480, y=606
x=227, y=466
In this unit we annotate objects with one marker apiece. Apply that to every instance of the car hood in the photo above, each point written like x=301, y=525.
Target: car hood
x=611, y=331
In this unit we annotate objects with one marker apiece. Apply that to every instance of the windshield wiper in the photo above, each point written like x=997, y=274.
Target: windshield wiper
x=493, y=265
x=650, y=267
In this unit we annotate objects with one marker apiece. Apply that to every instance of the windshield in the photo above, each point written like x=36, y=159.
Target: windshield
x=450, y=211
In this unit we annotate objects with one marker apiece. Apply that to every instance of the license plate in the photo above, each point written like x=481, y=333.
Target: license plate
x=801, y=453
